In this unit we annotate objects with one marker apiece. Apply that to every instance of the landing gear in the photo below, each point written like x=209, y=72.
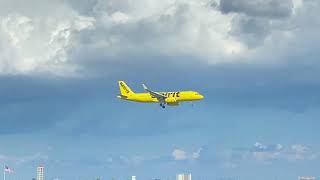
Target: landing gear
x=162, y=105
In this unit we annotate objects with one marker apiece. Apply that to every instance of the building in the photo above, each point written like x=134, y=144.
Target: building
x=306, y=178
x=185, y=176
x=133, y=177
x=40, y=173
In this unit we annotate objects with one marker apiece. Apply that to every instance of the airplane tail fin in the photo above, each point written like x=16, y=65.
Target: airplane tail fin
x=124, y=89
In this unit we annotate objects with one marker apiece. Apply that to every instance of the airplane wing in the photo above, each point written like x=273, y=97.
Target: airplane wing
x=161, y=98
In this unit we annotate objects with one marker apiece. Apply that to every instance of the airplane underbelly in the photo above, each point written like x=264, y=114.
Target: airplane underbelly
x=173, y=104
x=146, y=100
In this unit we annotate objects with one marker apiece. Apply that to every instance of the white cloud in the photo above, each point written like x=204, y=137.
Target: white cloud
x=17, y=27
x=36, y=40
x=40, y=42
x=61, y=38
x=120, y=18
x=300, y=152
x=296, y=152
x=179, y=154
x=258, y=153
x=297, y=4
x=196, y=155
x=45, y=42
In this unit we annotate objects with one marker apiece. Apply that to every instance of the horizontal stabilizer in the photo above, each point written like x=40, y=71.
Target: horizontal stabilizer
x=122, y=97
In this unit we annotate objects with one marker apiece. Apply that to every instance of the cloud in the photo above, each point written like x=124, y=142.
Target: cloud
x=32, y=104
x=299, y=152
x=252, y=31
x=56, y=44
x=262, y=8
x=35, y=42
x=296, y=152
x=80, y=38
x=181, y=155
x=262, y=152
x=258, y=153
x=177, y=155
x=226, y=158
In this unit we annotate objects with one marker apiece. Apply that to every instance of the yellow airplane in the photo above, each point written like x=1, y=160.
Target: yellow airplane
x=169, y=98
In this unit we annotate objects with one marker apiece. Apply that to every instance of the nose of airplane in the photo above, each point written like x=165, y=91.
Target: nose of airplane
x=201, y=96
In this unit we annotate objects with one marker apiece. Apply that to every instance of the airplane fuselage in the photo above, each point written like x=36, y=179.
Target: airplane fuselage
x=163, y=98
x=173, y=97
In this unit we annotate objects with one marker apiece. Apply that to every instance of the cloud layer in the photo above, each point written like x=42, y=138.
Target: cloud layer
x=268, y=8
x=258, y=153
x=75, y=35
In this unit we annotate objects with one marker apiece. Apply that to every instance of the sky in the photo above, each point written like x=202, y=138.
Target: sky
x=256, y=63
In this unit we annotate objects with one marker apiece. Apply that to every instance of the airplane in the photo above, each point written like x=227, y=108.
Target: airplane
x=163, y=98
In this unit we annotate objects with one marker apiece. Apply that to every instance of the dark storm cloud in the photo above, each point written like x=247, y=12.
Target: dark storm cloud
x=33, y=104
x=89, y=106
x=74, y=106
x=253, y=23
x=231, y=84
x=260, y=8
x=274, y=88
x=250, y=30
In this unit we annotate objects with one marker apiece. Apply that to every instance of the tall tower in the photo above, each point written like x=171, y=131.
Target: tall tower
x=40, y=173
x=185, y=176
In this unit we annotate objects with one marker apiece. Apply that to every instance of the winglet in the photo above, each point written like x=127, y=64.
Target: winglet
x=144, y=87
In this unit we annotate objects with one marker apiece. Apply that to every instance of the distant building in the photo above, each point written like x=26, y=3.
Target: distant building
x=306, y=178
x=40, y=173
x=185, y=176
x=133, y=178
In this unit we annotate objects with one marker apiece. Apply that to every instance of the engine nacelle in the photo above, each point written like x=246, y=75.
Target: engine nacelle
x=171, y=100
